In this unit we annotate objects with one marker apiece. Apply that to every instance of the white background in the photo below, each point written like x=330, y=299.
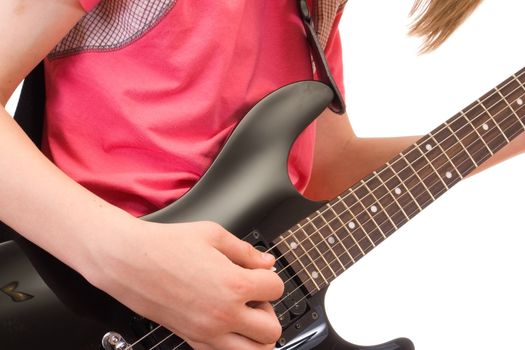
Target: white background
x=453, y=277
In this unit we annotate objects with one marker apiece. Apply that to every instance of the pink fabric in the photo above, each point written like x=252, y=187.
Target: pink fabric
x=88, y=5
x=140, y=124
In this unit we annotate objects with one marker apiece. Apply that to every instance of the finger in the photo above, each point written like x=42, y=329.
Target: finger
x=236, y=341
x=197, y=346
x=242, y=253
x=265, y=285
x=260, y=324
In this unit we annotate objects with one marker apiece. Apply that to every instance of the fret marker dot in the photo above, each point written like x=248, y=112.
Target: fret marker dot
x=428, y=147
x=373, y=209
x=397, y=190
x=519, y=101
x=448, y=174
x=485, y=127
x=315, y=275
x=351, y=224
x=294, y=245
x=331, y=240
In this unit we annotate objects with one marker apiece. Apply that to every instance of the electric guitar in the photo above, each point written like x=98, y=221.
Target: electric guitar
x=46, y=305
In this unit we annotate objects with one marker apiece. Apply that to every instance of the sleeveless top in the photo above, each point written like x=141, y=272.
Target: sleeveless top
x=142, y=94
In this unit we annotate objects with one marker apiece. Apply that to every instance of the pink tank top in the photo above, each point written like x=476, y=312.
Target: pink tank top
x=142, y=94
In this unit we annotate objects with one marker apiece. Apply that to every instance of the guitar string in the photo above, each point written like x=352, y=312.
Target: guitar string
x=430, y=200
x=317, y=231
x=444, y=190
x=323, y=284
x=163, y=340
x=443, y=127
x=158, y=327
x=340, y=270
x=515, y=76
x=512, y=112
x=319, y=213
x=380, y=239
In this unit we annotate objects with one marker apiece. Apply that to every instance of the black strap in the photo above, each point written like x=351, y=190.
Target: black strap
x=30, y=108
x=321, y=64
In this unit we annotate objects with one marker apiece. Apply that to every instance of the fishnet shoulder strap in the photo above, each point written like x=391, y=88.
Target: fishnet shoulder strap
x=324, y=13
x=30, y=110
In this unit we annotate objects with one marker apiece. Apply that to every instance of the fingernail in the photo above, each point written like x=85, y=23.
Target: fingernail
x=267, y=257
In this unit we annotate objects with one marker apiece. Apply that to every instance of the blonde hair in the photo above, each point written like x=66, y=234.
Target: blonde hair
x=436, y=20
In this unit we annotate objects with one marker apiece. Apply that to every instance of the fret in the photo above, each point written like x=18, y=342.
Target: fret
x=313, y=262
x=482, y=122
x=405, y=197
x=372, y=212
x=389, y=191
x=504, y=115
x=360, y=205
x=431, y=178
x=332, y=218
x=442, y=165
x=327, y=256
x=509, y=120
x=379, y=204
x=495, y=122
x=466, y=133
x=459, y=155
x=514, y=93
x=477, y=133
x=345, y=233
x=358, y=234
x=346, y=219
x=414, y=185
x=445, y=154
x=297, y=264
x=417, y=175
x=522, y=84
x=462, y=145
x=328, y=240
x=515, y=97
x=511, y=127
x=511, y=108
x=345, y=229
x=425, y=153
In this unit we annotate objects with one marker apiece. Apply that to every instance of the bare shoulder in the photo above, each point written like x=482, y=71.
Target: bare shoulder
x=30, y=29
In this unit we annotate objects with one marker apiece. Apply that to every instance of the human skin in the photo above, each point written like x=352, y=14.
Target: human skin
x=207, y=302
x=197, y=279
x=341, y=158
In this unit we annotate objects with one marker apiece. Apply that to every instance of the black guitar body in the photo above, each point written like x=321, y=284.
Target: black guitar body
x=46, y=305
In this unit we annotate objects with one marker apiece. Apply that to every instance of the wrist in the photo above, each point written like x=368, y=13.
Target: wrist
x=111, y=234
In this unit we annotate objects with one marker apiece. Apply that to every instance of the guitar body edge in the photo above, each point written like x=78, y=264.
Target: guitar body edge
x=44, y=304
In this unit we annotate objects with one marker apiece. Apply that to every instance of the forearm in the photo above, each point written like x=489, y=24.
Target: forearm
x=341, y=158
x=45, y=205
x=346, y=165
x=514, y=148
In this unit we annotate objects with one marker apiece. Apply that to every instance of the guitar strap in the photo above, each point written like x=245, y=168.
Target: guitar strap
x=316, y=49
x=31, y=105
x=30, y=109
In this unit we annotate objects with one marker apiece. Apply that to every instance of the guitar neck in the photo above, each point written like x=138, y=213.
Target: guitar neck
x=330, y=240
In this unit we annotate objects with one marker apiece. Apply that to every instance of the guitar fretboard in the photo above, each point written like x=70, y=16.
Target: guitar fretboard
x=326, y=243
